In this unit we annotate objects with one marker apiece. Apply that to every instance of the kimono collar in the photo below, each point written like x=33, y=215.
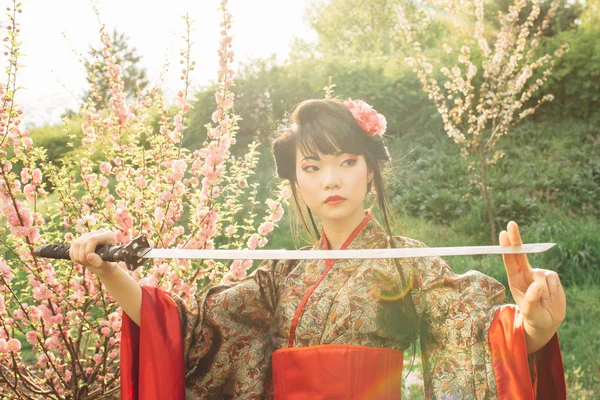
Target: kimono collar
x=365, y=236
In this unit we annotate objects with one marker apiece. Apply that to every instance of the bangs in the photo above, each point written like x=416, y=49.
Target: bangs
x=328, y=135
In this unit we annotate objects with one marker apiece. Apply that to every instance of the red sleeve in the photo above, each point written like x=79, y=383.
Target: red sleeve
x=511, y=362
x=152, y=353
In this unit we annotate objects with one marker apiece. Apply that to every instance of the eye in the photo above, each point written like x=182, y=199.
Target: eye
x=306, y=169
x=351, y=161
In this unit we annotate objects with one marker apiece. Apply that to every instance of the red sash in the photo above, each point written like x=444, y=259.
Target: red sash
x=338, y=372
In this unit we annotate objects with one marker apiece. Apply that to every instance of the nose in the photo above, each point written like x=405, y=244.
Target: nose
x=331, y=178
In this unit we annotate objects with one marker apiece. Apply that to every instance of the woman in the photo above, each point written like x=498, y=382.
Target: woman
x=337, y=329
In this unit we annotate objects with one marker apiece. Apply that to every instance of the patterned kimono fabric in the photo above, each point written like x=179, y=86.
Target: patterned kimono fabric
x=227, y=342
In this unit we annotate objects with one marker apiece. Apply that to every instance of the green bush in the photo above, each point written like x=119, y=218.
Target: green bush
x=577, y=255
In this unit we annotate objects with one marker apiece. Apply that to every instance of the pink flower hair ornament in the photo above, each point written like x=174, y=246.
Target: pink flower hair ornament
x=370, y=120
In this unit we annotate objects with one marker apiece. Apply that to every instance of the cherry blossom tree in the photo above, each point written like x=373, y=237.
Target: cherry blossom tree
x=480, y=103
x=59, y=330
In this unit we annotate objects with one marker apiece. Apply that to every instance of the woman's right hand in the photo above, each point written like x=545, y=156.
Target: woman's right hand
x=82, y=252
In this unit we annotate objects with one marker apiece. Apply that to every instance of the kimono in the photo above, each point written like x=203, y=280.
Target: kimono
x=222, y=343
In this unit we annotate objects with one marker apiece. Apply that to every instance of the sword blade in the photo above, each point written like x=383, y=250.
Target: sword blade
x=282, y=254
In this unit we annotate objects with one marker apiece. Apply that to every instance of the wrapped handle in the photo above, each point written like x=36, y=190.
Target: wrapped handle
x=131, y=254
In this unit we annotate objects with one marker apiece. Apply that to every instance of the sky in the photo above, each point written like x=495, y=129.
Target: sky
x=54, y=79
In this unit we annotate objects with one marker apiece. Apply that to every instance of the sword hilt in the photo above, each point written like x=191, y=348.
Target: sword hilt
x=131, y=253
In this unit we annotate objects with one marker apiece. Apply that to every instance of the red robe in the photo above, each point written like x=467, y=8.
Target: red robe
x=152, y=355
x=227, y=333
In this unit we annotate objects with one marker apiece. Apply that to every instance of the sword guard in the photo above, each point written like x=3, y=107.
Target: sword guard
x=134, y=252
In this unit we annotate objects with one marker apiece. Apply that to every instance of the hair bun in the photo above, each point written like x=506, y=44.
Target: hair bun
x=307, y=111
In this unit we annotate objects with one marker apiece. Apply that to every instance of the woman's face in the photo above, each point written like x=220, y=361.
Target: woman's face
x=320, y=177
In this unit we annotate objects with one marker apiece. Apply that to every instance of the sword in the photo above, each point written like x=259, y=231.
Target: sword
x=138, y=251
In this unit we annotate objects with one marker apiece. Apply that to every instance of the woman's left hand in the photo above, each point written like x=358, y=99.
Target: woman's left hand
x=538, y=292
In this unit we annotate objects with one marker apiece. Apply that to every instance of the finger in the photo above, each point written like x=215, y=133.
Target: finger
x=531, y=300
x=100, y=237
x=553, y=283
x=73, y=250
x=515, y=239
x=539, y=275
x=90, y=248
x=510, y=262
x=94, y=260
x=532, y=307
x=81, y=248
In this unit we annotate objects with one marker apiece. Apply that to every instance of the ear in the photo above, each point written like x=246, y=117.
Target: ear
x=370, y=176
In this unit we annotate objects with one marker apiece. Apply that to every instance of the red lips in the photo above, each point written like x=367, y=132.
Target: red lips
x=334, y=198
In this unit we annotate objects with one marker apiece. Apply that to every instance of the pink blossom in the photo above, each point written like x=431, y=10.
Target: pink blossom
x=141, y=182
x=105, y=168
x=217, y=115
x=286, y=193
x=32, y=337
x=27, y=142
x=178, y=123
x=272, y=204
x=97, y=358
x=159, y=215
x=89, y=178
x=262, y=242
x=5, y=271
x=182, y=102
x=35, y=314
x=122, y=237
x=19, y=314
x=165, y=196
x=2, y=346
x=51, y=343
x=41, y=293
x=29, y=191
x=33, y=235
x=253, y=241
x=104, y=181
x=13, y=345
x=368, y=119
x=68, y=375
x=230, y=230
x=174, y=137
x=276, y=216
x=236, y=269
x=114, y=70
x=265, y=228
x=25, y=175
x=179, y=166
x=46, y=315
x=123, y=219
x=37, y=176
x=2, y=305
x=179, y=189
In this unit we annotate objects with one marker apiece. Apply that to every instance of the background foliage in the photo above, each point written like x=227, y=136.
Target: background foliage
x=549, y=180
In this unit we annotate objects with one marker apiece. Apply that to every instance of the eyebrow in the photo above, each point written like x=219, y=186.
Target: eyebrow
x=317, y=158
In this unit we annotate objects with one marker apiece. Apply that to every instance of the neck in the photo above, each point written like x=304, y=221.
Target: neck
x=338, y=231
